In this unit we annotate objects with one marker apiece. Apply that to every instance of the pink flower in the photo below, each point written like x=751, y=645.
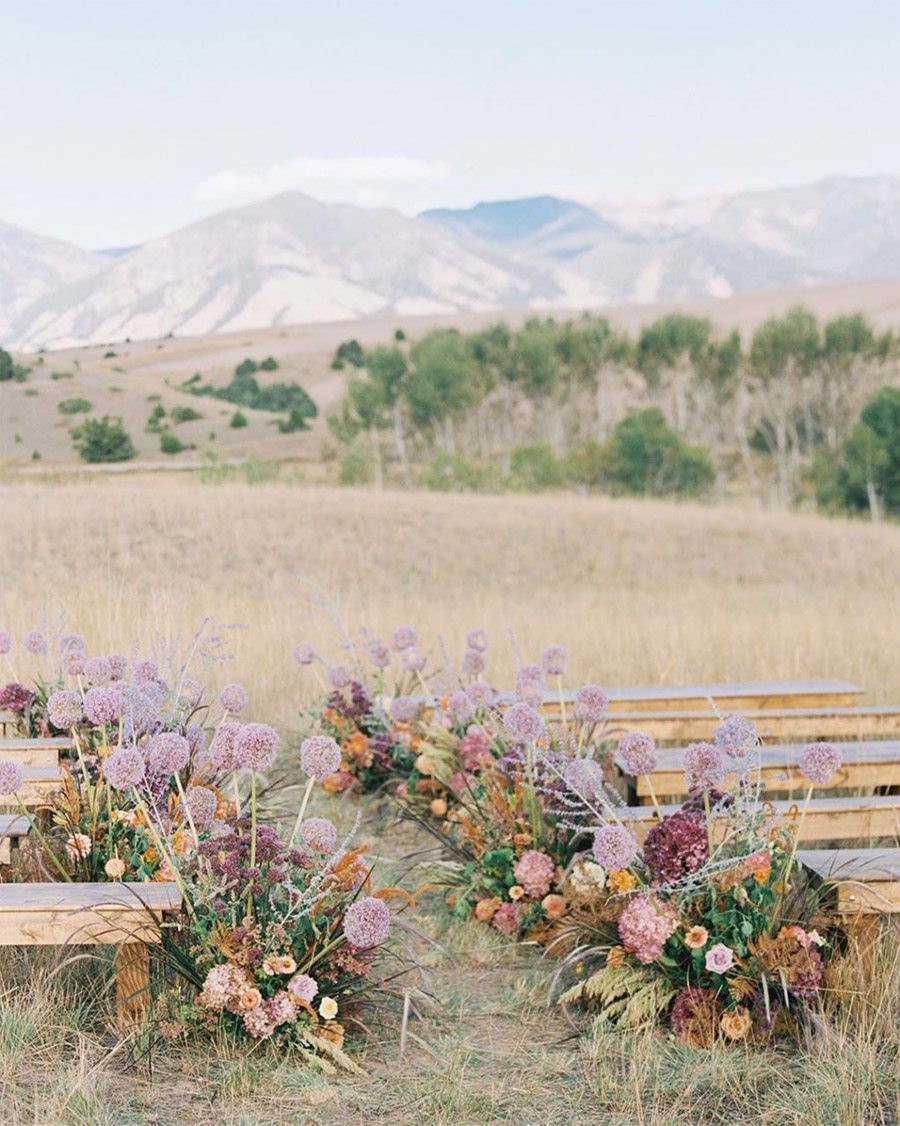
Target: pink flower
x=614, y=847
x=320, y=757
x=534, y=871
x=719, y=958
x=645, y=925
x=475, y=749
x=506, y=919
x=819, y=761
x=367, y=922
x=303, y=987
x=637, y=754
x=704, y=767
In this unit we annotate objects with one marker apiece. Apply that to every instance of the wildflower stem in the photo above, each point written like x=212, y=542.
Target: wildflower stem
x=309, y=786
x=163, y=851
x=186, y=808
x=562, y=700
x=653, y=797
x=32, y=822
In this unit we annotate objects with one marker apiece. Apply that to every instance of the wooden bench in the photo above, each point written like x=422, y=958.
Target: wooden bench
x=862, y=882
x=13, y=827
x=39, y=784
x=125, y=915
x=865, y=765
x=35, y=752
x=7, y=720
x=777, y=724
x=827, y=819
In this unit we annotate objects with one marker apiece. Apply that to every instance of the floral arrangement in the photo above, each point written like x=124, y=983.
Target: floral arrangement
x=705, y=924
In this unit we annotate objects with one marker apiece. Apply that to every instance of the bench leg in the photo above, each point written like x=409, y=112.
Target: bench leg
x=132, y=985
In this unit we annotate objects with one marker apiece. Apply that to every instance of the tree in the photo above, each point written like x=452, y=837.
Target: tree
x=867, y=476
x=438, y=387
x=387, y=369
x=103, y=439
x=667, y=350
x=645, y=455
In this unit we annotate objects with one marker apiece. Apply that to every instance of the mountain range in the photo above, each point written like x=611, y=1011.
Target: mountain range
x=294, y=259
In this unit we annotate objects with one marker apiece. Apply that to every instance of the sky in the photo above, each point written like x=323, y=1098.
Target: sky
x=121, y=120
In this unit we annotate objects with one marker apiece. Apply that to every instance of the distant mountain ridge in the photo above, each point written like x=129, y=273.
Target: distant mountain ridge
x=294, y=259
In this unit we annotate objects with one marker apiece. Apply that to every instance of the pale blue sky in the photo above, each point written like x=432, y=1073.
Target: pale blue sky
x=122, y=119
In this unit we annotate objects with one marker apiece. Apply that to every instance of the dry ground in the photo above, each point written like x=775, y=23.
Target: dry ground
x=640, y=592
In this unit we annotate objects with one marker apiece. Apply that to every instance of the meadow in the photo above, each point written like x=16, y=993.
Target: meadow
x=640, y=592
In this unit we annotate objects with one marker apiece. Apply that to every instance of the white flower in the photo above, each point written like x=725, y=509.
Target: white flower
x=78, y=846
x=815, y=938
x=328, y=1008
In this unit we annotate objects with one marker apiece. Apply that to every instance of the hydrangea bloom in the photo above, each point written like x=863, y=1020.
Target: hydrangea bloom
x=202, y=803
x=303, y=987
x=34, y=642
x=256, y=746
x=506, y=919
x=168, y=753
x=64, y=709
x=339, y=676
x=320, y=757
x=704, y=767
x=534, y=871
x=304, y=654
x=221, y=750
x=103, y=704
x=319, y=834
x=460, y=707
x=15, y=697
x=819, y=761
x=404, y=709
x=5, y=642
x=367, y=922
x=10, y=777
x=676, y=846
x=473, y=662
x=553, y=660
x=124, y=768
x=637, y=753
x=522, y=723
x=234, y=698
x=614, y=847
x=404, y=638
x=97, y=670
x=645, y=925
x=584, y=776
x=475, y=749
x=481, y=694
x=591, y=704
x=736, y=736
x=379, y=654
x=477, y=639
x=412, y=660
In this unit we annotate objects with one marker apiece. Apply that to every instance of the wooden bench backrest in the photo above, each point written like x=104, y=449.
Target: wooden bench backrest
x=810, y=724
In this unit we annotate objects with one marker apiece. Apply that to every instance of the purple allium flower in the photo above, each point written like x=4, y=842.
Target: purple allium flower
x=591, y=704
x=819, y=761
x=97, y=670
x=379, y=654
x=481, y=694
x=256, y=746
x=64, y=709
x=124, y=768
x=637, y=754
x=719, y=958
x=234, y=698
x=531, y=694
x=506, y=919
x=339, y=676
x=196, y=738
x=118, y=665
x=585, y=777
x=72, y=643
x=191, y=691
x=221, y=750
x=141, y=707
x=530, y=675
x=5, y=642
x=202, y=803
x=473, y=662
x=73, y=662
x=303, y=987
x=645, y=925
x=146, y=670
x=34, y=642
x=319, y=834
x=522, y=723
x=320, y=757
x=736, y=736
x=676, y=846
x=404, y=638
x=704, y=767
x=534, y=871
x=304, y=654
x=367, y=922
x=553, y=660
x=477, y=639
x=460, y=707
x=168, y=753
x=404, y=709
x=103, y=705
x=412, y=660
x=10, y=777
x=614, y=847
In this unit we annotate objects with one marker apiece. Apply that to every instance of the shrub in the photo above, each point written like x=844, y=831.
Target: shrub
x=238, y=420
x=647, y=456
x=296, y=420
x=184, y=414
x=269, y=364
x=535, y=467
x=170, y=443
x=450, y=473
x=351, y=352
x=74, y=406
x=155, y=420
x=103, y=439
x=867, y=473
x=587, y=466
x=9, y=371
x=354, y=466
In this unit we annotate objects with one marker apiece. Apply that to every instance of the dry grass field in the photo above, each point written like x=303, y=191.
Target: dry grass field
x=640, y=592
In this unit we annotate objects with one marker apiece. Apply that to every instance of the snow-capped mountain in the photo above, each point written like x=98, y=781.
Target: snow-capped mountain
x=293, y=259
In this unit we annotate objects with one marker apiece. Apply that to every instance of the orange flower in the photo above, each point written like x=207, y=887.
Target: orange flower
x=485, y=909
x=150, y=855
x=554, y=906
x=615, y=957
x=696, y=938
x=621, y=880
x=249, y=999
x=736, y=1023
x=438, y=807
x=516, y=892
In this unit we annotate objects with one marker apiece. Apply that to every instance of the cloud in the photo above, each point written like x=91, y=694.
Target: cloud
x=362, y=179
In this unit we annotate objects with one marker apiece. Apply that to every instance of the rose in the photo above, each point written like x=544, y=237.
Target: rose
x=719, y=958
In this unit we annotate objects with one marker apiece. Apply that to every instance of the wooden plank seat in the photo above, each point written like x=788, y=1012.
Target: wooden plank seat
x=827, y=819
x=8, y=720
x=775, y=724
x=861, y=881
x=728, y=696
x=13, y=827
x=866, y=765
x=39, y=784
x=35, y=752
x=125, y=915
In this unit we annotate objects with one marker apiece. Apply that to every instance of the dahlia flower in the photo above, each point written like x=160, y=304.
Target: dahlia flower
x=367, y=922
x=78, y=846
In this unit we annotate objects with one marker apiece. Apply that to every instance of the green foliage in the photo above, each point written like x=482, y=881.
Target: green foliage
x=671, y=340
x=295, y=420
x=237, y=421
x=450, y=473
x=184, y=414
x=627, y=996
x=244, y=390
x=103, y=440
x=399, y=334
x=170, y=443
x=350, y=352
x=55, y=375
x=867, y=473
x=9, y=371
x=534, y=468
x=155, y=420
x=354, y=466
x=439, y=384
x=646, y=456
x=74, y=406
x=269, y=364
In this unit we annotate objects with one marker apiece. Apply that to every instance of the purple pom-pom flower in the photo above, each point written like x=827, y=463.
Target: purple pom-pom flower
x=168, y=753
x=367, y=922
x=35, y=643
x=10, y=777
x=637, y=754
x=614, y=847
x=256, y=746
x=124, y=768
x=819, y=761
x=234, y=698
x=522, y=723
x=553, y=660
x=64, y=709
x=103, y=704
x=320, y=757
x=591, y=704
x=404, y=638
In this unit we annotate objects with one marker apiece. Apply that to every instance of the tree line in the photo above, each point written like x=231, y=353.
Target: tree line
x=798, y=409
